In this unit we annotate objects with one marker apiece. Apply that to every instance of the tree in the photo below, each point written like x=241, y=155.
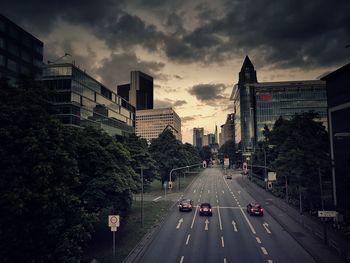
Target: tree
x=300, y=152
x=166, y=151
x=205, y=153
x=141, y=157
x=228, y=150
x=43, y=219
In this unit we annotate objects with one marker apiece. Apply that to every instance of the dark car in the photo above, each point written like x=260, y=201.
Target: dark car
x=255, y=209
x=229, y=176
x=185, y=205
x=205, y=209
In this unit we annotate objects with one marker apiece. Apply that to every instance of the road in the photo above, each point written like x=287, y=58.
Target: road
x=230, y=235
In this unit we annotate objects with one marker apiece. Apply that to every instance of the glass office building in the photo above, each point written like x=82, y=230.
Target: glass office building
x=79, y=100
x=21, y=54
x=275, y=99
x=259, y=104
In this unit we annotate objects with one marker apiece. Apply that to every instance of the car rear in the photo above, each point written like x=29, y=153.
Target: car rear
x=205, y=210
x=256, y=210
x=185, y=206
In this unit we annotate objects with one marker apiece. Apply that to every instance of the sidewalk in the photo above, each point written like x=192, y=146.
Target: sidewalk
x=306, y=230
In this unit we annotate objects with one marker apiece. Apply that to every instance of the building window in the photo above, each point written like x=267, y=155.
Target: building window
x=2, y=43
x=26, y=57
x=13, y=49
x=2, y=26
x=2, y=60
x=12, y=65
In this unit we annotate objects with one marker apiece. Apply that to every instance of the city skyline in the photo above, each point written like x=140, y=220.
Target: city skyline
x=193, y=50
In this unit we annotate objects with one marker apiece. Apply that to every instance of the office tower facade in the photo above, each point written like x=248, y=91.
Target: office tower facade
x=259, y=104
x=123, y=91
x=228, y=129
x=198, y=135
x=21, y=54
x=139, y=92
x=338, y=96
x=79, y=101
x=150, y=123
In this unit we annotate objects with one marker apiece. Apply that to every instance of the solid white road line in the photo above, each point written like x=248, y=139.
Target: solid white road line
x=249, y=224
x=219, y=218
x=223, y=191
x=270, y=261
x=222, y=242
x=188, y=239
x=264, y=250
x=155, y=199
x=194, y=216
x=225, y=260
x=258, y=240
x=208, y=191
x=194, y=191
x=182, y=259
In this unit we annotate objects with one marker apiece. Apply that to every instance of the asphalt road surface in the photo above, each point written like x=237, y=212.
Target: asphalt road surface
x=230, y=235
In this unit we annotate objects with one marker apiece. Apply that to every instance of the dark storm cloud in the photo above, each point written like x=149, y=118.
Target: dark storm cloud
x=286, y=33
x=116, y=69
x=168, y=103
x=208, y=92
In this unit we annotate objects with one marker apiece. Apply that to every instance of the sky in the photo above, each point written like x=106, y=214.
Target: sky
x=193, y=49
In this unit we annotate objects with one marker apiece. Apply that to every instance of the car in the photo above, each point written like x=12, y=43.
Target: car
x=205, y=209
x=255, y=209
x=229, y=176
x=185, y=205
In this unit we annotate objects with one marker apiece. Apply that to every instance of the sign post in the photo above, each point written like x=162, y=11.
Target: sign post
x=113, y=223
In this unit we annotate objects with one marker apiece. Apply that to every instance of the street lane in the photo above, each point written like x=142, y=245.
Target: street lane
x=230, y=235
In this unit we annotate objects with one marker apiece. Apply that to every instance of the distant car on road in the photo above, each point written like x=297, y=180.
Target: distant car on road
x=185, y=205
x=229, y=176
x=205, y=209
x=255, y=209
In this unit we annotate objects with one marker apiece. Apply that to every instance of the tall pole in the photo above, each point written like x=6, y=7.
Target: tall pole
x=325, y=237
x=142, y=196
x=113, y=243
x=265, y=169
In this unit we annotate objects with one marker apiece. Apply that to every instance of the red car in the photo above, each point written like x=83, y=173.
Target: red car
x=255, y=209
x=205, y=210
x=185, y=205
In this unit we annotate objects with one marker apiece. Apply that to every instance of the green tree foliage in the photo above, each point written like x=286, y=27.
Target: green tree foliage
x=228, y=150
x=170, y=153
x=141, y=157
x=205, y=153
x=54, y=181
x=300, y=151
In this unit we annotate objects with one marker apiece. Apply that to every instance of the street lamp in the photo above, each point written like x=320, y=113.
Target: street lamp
x=179, y=168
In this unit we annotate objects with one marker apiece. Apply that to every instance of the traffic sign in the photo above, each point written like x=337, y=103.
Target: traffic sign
x=113, y=221
x=271, y=176
x=327, y=213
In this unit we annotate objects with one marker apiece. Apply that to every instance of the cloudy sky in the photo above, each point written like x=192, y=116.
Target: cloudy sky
x=193, y=49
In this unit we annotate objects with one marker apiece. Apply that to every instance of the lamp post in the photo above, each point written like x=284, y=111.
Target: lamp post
x=265, y=169
x=179, y=168
x=141, y=196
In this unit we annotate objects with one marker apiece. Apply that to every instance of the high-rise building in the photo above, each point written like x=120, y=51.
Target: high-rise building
x=21, y=54
x=80, y=100
x=228, y=129
x=211, y=139
x=338, y=96
x=151, y=123
x=259, y=104
x=198, y=134
x=139, y=92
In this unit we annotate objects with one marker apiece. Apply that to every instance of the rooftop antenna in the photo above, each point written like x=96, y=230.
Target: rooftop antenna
x=55, y=61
